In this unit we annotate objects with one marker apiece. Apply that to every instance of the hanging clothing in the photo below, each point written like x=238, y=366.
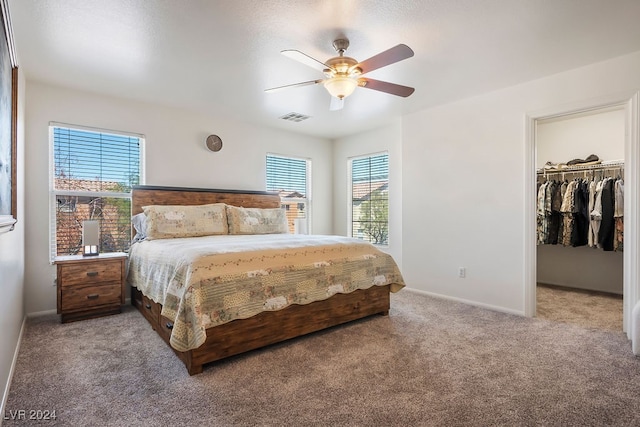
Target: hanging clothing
x=596, y=214
x=580, y=234
x=607, y=226
x=592, y=200
x=619, y=198
x=618, y=215
x=556, y=217
x=563, y=192
x=568, y=205
x=542, y=226
x=581, y=212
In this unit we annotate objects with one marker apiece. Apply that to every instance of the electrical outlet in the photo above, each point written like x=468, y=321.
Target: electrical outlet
x=462, y=272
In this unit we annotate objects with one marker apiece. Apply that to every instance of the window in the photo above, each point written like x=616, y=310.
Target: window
x=91, y=177
x=370, y=198
x=289, y=177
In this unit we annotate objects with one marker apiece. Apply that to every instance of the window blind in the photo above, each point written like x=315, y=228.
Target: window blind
x=286, y=174
x=289, y=177
x=93, y=172
x=370, y=198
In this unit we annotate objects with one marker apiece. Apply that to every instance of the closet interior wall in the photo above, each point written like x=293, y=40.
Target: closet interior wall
x=560, y=140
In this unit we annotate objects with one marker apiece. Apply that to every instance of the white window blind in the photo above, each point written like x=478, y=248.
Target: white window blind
x=91, y=179
x=289, y=177
x=370, y=198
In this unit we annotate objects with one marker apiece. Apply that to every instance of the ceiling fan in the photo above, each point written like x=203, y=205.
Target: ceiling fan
x=343, y=74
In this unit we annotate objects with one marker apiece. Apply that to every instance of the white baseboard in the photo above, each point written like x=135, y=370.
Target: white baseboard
x=5, y=395
x=41, y=313
x=583, y=288
x=468, y=302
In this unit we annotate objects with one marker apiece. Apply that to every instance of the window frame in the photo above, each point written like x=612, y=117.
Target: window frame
x=54, y=193
x=308, y=200
x=350, y=219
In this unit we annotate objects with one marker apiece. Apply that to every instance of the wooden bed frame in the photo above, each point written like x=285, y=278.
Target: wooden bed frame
x=265, y=328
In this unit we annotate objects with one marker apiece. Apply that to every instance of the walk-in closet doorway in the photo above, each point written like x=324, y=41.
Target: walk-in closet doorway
x=628, y=104
x=579, y=278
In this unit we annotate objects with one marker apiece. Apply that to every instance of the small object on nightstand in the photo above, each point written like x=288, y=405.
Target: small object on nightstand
x=90, y=287
x=90, y=237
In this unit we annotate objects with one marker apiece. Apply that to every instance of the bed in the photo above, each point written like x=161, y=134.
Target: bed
x=227, y=291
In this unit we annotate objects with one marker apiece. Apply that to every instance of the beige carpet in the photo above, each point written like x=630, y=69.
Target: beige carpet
x=580, y=307
x=431, y=362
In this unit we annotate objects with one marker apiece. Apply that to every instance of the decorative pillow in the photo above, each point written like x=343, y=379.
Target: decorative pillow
x=165, y=222
x=256, y=220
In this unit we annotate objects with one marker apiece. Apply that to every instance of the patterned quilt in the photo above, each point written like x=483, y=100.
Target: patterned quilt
x=207, y=281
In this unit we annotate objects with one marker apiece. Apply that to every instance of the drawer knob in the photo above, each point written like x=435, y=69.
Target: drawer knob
x=93, y=296
x=148, y=306
x=92, y=273
x=169, y=325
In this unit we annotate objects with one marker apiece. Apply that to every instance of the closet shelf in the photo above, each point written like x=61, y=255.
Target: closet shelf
x=583, y=168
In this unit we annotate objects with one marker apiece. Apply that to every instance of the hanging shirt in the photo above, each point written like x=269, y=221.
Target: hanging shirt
x=619, y=198
x=592, y=199
x=556, y=217
x=563, y=192
x=579, y=235
x=540, y=218
x=607, y=226
x=618, y=215
x=596, y=213
x=568, y=204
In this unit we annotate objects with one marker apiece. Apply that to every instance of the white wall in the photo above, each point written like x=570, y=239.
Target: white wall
x=582, y=268
x=560, y=140
x=175, y=156
x=12, y=266
x=388, y=138
x=577, y=136
x=464, y=166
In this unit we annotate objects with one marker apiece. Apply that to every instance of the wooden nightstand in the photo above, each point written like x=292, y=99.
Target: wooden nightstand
x=91, y=286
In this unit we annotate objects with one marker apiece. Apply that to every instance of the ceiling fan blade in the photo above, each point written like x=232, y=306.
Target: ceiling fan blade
x=336, y=104
x=310, y=82
x=305, y=59
x=392, y=88
x=388, y=57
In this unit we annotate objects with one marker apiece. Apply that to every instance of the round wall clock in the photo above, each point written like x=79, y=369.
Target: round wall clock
x=214, y=143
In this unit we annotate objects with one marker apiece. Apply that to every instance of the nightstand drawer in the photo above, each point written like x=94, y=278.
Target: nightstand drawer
x=81, y=297
x=88, y=273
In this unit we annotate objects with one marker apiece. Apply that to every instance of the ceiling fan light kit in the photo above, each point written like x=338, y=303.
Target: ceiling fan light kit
x=343, y=74
x=340, y=87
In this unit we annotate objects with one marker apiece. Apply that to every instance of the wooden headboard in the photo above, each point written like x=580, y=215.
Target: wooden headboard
x=145, y=195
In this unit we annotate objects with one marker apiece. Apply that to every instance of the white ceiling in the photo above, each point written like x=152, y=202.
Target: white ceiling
x=218, y=56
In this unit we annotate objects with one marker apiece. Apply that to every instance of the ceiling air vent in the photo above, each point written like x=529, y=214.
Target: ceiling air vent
x=294, y=117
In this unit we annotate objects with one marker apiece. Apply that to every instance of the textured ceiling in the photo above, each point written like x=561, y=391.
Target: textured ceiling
x=218, y=56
